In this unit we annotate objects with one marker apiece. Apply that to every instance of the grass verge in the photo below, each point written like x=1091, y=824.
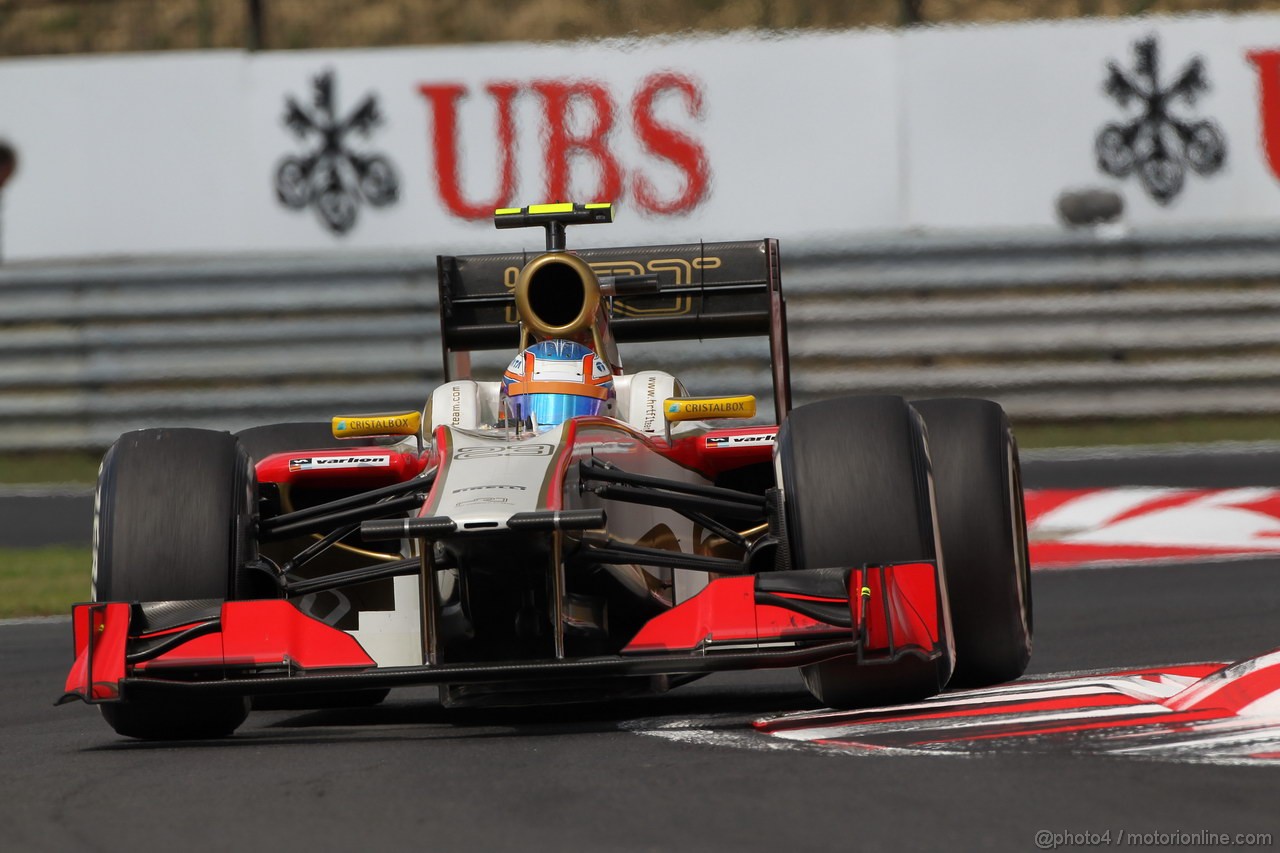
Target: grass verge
x=50, y=466
x=43, y=581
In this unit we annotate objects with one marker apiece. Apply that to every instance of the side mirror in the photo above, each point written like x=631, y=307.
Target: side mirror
x=708, y=408
x=359, y=426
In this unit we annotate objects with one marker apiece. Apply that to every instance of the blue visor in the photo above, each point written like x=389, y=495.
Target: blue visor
x=553, y=409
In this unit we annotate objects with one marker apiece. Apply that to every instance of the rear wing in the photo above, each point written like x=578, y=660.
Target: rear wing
x=709, y=290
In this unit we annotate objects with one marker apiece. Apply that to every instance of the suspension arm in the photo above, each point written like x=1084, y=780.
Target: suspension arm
x=421, y=483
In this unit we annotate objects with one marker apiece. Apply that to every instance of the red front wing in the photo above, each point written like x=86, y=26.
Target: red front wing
x=262, y=647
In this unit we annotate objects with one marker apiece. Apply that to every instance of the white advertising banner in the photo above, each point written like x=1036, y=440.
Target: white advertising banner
x=807, y=137
x=413, y=149
x=1166, y=112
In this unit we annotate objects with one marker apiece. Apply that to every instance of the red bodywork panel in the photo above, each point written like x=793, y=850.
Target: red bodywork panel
x=726, y=612
x=260, y=633
x=100, y=633
x=895, y=607
x=363, y=467
x=911, y=597
x=252, y=633
x=371, y=466
x=720, y=450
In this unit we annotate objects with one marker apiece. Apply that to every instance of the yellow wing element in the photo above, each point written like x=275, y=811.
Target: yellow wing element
x=563, y=213
x=394, y=423
x=707, y=408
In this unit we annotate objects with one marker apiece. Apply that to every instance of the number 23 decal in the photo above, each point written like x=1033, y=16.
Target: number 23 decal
x=504, y=450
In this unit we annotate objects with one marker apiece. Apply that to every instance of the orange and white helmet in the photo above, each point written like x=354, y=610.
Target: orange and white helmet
x=553, y=381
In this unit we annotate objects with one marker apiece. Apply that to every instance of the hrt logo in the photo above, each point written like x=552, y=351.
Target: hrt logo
x=564, y=143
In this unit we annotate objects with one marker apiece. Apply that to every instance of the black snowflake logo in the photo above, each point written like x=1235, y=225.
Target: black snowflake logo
x=1158, y=143
x=333, y=176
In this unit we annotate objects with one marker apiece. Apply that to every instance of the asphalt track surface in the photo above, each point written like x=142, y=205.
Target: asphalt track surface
x=411, y=774
x=35, y=516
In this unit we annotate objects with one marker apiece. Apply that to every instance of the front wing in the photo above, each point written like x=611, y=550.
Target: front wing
x=877, y=614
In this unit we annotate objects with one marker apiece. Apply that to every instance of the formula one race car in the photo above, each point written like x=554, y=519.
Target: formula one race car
x=566, y=532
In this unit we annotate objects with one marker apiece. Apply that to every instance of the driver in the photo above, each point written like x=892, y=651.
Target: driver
x=555, y=380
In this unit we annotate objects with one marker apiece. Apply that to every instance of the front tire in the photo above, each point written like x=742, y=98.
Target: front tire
x=172, y=511
x=984, y=535
x=857, y=489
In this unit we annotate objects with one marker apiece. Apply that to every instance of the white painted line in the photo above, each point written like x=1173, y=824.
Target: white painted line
x=949, y=724
x=1092, y=510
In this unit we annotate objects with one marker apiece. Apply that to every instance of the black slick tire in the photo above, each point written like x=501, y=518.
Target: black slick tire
x=856, y=482
x=171, y=509
x=984, y=537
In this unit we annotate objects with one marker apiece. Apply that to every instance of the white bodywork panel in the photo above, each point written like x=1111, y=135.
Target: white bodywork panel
x=640, y=398
x=394, y=637
x=462, y=404
x=489, y=477
x=468, y=404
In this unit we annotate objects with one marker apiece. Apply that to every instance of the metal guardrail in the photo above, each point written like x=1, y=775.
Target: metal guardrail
x=1064, y=326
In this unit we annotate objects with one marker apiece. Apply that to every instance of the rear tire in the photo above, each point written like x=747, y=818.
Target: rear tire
x=855, y=475
x=170, y=508
x=984, y=535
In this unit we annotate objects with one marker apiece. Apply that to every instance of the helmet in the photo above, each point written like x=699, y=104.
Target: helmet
x=553, y=381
